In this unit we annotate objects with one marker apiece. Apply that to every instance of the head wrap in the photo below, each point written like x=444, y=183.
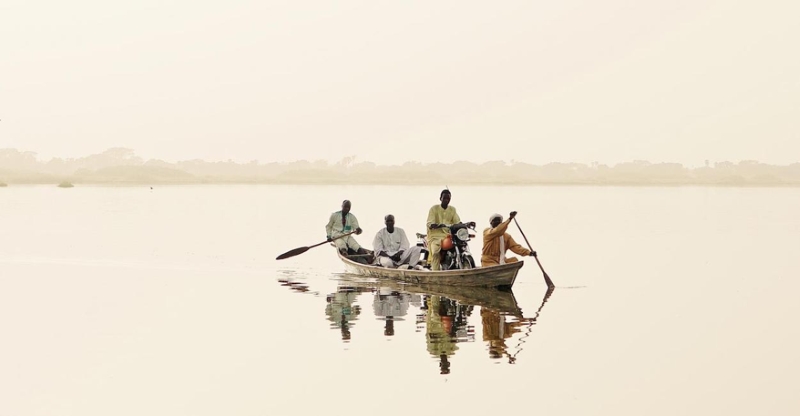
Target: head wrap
x=495, y=216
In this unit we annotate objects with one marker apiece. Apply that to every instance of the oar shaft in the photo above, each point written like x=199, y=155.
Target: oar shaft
x=332, y=239
x=523, y=236
x=343, y=235
x=301, y=250
x=546, y=277
x=336, y=238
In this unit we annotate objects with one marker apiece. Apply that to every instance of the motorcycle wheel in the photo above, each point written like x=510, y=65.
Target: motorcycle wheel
x=448, y=262
x=467, y=262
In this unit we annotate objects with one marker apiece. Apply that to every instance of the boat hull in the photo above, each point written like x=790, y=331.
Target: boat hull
x=502, y=276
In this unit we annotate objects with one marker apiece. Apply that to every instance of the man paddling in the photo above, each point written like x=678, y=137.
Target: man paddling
x=343, y=222
x=496, y=241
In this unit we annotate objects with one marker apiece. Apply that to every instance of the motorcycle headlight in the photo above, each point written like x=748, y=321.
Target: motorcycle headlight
x=462, y=234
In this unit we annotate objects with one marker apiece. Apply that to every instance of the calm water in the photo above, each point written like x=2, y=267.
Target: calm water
x=131, y=301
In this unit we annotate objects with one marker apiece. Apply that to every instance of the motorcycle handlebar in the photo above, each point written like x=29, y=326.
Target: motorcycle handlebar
x=470, y=225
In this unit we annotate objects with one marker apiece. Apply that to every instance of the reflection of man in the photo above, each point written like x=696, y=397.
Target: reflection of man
x=438, y=326
x=496, y=241
x=392, y=249
x=390, y=305
x=388, y=302
x=496, y=330
x=340, y=310
x=343, y=222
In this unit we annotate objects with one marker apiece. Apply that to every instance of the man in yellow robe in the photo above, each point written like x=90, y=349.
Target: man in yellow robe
x=440, y=218
x=496, y=241
x=438, y=332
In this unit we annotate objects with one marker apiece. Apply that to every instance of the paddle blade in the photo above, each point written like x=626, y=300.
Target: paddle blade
x=548, y=281
x=292, y=253
x=546, y=277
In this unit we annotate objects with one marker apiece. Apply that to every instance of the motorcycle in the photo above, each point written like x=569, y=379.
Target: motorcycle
x=455, y=254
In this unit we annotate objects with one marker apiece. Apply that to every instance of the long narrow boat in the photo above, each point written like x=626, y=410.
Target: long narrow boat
x=501, y=276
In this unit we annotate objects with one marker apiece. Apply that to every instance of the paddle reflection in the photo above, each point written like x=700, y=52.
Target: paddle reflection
x=447, y=315
x=531, y=322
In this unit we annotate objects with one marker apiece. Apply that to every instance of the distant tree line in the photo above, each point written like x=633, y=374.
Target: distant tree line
x=122, y=166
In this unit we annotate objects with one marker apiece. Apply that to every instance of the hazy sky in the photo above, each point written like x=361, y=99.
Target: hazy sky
x=391, y=81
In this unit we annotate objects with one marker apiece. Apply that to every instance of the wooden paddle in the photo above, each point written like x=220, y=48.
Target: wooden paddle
x=301, y=250
x=546, y=277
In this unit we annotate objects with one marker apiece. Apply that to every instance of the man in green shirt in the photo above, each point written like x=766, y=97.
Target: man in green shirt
x=440, y=218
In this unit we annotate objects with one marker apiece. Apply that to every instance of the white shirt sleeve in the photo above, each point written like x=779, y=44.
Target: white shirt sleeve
x=404, y=245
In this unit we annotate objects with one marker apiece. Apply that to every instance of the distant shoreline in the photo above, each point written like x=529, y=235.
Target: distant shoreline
x=432, y=183
x=120, y=166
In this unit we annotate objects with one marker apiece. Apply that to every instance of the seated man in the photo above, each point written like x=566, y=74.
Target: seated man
x=343, y=222
x=392, y=249
x=496, y=241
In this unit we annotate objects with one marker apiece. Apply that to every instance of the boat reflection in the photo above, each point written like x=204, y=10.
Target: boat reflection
x=445, y=315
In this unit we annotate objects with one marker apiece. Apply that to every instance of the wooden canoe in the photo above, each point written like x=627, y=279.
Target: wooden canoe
x=501, y=276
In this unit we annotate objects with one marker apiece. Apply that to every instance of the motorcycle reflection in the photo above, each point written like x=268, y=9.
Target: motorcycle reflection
x=445, y=326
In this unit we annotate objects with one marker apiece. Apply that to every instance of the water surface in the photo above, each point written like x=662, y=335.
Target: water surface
x=130, y=301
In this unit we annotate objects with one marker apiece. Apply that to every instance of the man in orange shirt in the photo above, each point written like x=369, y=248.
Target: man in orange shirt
x=496, y=241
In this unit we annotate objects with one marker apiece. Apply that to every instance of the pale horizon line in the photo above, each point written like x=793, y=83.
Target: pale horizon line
x=354, y=159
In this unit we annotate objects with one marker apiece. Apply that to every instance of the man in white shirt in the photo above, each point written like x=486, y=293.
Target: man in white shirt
x=392, y=249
